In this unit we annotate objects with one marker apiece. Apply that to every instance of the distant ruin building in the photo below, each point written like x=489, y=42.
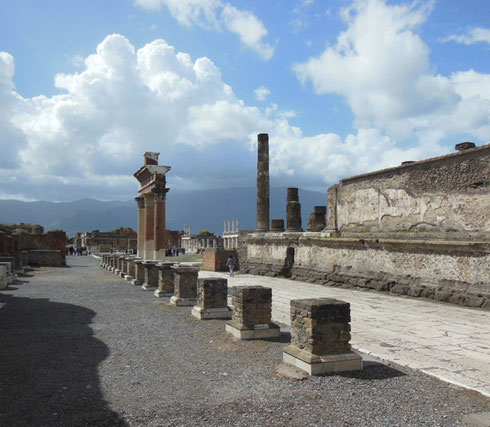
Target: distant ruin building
x=151, y=208
x=420, y=229
x=122, y=239
x=231, y=233
x=197, y=243
x=27, y=244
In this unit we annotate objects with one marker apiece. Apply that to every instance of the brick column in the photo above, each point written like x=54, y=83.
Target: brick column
x=159, y=225
x=252, y=309
x=320, y=335
x=149, y=242
x=140, y=246
x=212, y=299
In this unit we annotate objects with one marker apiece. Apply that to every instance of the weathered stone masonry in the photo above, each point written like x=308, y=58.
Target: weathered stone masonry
x=420, y=229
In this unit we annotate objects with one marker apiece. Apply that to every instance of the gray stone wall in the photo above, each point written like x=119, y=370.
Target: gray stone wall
x=451, y=271
x=45, y=257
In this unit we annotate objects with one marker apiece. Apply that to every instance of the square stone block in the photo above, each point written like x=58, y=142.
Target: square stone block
x=185, y=283
x=151, y=275
x=165, y=280
x=212, y=293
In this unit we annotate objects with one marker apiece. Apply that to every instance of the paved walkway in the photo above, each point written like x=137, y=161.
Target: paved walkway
x=449, y=342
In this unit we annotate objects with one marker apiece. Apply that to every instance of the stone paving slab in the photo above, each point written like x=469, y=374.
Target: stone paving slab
x=447, y=341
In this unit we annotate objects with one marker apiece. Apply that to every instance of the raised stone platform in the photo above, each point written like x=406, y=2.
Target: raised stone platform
x=260, y=331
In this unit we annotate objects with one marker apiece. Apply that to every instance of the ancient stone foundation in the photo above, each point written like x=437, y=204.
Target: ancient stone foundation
x=212, y=299
x=252, y=309
x=185, y=286
x=320, y=335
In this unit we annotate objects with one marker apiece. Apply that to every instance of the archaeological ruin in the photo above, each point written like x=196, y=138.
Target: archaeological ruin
x=420, y=229
x=152, y=193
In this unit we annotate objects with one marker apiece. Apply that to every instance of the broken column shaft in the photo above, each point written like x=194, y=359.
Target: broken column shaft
x=293, y=211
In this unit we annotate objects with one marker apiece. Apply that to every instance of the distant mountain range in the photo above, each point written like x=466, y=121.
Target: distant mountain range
x=199, y=209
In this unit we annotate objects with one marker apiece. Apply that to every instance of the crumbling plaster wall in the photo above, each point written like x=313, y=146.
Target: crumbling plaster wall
x=449, y=193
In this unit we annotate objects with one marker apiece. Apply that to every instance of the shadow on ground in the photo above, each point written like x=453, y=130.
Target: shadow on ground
x=48, y=365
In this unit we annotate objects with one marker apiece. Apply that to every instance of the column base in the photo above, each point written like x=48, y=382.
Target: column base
x=116, y=272
x=159, y=293
x=182, y=302
x=122, y=274
x=136, y=282
x=264, y=330
x=128, y=278
x=148, y=287
x=324, y=364
x=211, y=313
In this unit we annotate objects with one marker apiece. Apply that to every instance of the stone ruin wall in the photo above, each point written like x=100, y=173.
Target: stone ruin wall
x=450, y=271
x=421, y=230
x=449, y=194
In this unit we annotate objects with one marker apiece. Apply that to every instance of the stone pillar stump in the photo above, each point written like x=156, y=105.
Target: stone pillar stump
x=185, y=286
x=252, y=309
x=165, y=280
x=131, y=268
x=320, y=335
x=151, y=275
x=139, y=271
x=212, y=299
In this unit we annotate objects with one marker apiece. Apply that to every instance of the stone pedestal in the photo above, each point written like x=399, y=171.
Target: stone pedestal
x=318, y=219
x=212, y=299
x=185, y=286
x=124, y=267
x=139, y=271
x=165, y=280
x=151, y=275
x=320, y=335
x=277, y=225
x=131, y=268
x=251, y=318
x=117, y=265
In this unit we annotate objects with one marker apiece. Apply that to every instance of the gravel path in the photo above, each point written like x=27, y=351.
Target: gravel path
x=80, y=346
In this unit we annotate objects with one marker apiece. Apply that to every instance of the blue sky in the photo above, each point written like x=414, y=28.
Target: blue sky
x=342, y=87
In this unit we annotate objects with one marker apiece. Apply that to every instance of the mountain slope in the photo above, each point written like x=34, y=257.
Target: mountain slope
x=199, y=209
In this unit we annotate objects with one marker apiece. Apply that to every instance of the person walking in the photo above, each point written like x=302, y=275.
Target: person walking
x=230, y=263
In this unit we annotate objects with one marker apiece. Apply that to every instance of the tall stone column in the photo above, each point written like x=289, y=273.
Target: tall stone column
x=140, y=246
x=159, y=225
x=149, y=226
x=263, y=182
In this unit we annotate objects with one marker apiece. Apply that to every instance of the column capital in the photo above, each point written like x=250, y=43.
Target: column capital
x=140, y=201
x=159, y=194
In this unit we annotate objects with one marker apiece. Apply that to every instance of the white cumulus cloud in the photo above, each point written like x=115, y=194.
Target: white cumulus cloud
x=381, y=66
x=475, y=35
x=261, y=93
x=215, y=14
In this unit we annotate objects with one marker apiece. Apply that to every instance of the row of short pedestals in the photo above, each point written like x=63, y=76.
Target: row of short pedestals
x=320, y=327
